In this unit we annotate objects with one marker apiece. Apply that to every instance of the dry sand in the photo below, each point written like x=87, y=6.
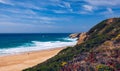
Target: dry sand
x=19, y=62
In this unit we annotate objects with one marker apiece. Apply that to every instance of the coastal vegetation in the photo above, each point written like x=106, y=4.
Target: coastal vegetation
x=99, y=51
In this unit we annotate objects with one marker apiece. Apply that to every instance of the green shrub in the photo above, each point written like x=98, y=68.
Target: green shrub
x=104, y=68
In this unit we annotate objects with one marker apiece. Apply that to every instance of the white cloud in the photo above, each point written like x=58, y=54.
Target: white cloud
x=22, y=4
x=63, y=4
x=2, y=1
x=6, y=2
x=103, y=7
x=109, y=10
x=88, y=8
x=83, y=12
x=7, y=27
x=28, y=16
x=67, y=4
x=65, y=7
x=28, y=5
x=19, y=11
x=104, y=2
x=59, y=11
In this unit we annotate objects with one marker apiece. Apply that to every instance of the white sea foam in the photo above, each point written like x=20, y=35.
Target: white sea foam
x=37, y=45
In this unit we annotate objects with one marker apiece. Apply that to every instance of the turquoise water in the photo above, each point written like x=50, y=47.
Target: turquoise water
x=16, y=43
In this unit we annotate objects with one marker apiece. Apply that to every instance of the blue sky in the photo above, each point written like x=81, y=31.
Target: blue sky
x=54, y=16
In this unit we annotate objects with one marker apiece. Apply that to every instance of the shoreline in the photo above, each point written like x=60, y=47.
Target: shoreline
x=4, y=55
x=20, y=61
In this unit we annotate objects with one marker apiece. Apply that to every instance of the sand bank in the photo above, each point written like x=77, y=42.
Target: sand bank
x=21, y=61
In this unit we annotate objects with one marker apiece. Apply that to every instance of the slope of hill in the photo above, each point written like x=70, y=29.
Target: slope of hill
x=99, y=51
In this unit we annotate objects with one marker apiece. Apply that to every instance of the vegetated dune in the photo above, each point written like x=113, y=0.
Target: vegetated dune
x=97, y=50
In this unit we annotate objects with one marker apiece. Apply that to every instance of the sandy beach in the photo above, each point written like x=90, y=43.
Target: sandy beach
x=19, y=62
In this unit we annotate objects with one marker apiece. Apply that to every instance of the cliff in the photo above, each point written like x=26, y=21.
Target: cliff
x=96, y=50
x=81, y=37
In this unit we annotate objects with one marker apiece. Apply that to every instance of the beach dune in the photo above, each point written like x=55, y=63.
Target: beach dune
x=19, y=62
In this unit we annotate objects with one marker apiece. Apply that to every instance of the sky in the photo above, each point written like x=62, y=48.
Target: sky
x=54, y=16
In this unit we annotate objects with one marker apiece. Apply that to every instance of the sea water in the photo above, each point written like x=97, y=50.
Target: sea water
x=19, y=43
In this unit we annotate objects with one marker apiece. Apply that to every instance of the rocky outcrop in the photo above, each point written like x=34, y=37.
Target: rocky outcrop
x=76, y=35
x=82, y=37
x=112, y=20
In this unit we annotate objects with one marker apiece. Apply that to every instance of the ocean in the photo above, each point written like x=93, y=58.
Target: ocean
x=19, y=43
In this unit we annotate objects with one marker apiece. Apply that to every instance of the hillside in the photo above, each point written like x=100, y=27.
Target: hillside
x=97, y=50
